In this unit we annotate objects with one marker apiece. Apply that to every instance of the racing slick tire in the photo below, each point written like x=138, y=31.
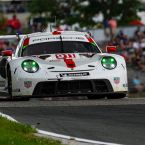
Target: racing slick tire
x=93, y=97
x=11, y=97
x=3, y=63
x=116, y=96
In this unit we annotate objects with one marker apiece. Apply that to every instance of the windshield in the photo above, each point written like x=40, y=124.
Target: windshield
x=59, y=47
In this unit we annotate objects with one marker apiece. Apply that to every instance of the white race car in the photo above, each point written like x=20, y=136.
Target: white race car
x=63, y=63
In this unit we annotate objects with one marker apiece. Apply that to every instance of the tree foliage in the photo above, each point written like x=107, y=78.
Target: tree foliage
x=42, y=6
x=72, y=11
x=126, y=10
x=3, y=23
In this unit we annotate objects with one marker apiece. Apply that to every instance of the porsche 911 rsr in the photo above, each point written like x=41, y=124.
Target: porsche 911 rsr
x=65, y=63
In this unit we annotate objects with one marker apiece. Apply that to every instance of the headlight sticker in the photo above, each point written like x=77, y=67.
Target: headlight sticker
x=27, y=84
x=109, y=62
x=30, y=66
x=116, y=80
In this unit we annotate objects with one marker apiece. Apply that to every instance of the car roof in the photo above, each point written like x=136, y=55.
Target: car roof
x=57, y=33
x=45, y=34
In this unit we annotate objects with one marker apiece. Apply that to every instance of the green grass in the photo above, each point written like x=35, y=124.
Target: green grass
x=12, y=133
x=136, y=95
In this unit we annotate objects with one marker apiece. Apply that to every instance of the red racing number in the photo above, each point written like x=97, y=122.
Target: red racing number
x=66, y=56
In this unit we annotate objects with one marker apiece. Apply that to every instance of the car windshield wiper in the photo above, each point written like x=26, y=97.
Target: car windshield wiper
x=61, y=44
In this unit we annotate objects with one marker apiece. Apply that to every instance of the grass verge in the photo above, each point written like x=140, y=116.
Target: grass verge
x=12, y=133
x=136, y=95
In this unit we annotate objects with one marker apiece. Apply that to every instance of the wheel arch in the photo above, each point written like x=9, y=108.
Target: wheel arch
x=8, y=68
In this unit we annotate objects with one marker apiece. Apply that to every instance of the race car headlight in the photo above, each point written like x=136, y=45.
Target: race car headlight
x=109, y=62
x=30, y=66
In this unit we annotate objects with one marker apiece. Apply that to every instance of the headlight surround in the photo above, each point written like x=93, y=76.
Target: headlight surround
x=30, y=66
x=109, y=62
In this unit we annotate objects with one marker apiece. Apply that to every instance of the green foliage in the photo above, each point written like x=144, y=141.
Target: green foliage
x=12, y=133
x=42, y=6
x=126, y=10
x=71, y=11
x=129, y=10
x=2, y=24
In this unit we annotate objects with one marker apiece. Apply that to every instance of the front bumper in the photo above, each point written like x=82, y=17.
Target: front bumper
x=46, y=83
x=73, y=87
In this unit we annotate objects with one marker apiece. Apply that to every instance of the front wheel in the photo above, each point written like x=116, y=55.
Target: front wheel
x=9, y=79
x=3, y=63
x=116, y=96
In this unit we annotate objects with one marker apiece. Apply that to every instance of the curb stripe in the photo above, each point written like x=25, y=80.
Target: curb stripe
x=8, y=117
x=61, y=135
x=74, y=138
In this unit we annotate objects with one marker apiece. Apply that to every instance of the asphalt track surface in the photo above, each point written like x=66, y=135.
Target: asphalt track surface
x=118, y=121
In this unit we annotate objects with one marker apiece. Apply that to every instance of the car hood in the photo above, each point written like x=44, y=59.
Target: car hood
x=71, y=60
x=66, y=62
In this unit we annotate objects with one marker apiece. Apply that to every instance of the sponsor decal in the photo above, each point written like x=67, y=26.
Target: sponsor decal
x=27, y=84
x=42, y=39
x=45, y=39
x=62, y=56
x=74, y=74
x=78, y=38
x=55, y=60
x=116, y=80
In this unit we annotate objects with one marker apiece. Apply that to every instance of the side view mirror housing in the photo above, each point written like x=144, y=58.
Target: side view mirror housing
x=7, y=53
x=111, y=49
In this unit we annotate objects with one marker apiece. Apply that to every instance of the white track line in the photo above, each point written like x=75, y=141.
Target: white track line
x=74, y=138
x=8, y=117
x=61, y=135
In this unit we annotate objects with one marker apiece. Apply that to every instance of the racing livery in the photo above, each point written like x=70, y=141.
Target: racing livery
x=63, y=63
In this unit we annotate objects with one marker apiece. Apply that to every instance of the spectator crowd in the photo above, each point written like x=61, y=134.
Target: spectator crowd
x=132, y=49
x=14, y=6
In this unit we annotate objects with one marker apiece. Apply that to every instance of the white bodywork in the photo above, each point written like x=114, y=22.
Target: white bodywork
x=54, y=68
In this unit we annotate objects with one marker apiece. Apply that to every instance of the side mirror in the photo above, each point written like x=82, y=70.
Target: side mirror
x=7, y=53
x=111, y=49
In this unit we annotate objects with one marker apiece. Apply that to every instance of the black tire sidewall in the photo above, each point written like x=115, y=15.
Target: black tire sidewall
x=9, y=82
x=116, y=96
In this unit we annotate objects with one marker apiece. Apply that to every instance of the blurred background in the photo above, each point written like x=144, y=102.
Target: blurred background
x=110, y=22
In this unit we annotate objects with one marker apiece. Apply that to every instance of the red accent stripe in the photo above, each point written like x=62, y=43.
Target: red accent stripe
x=26, y=42
x=69, y=63
x=90, y=40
